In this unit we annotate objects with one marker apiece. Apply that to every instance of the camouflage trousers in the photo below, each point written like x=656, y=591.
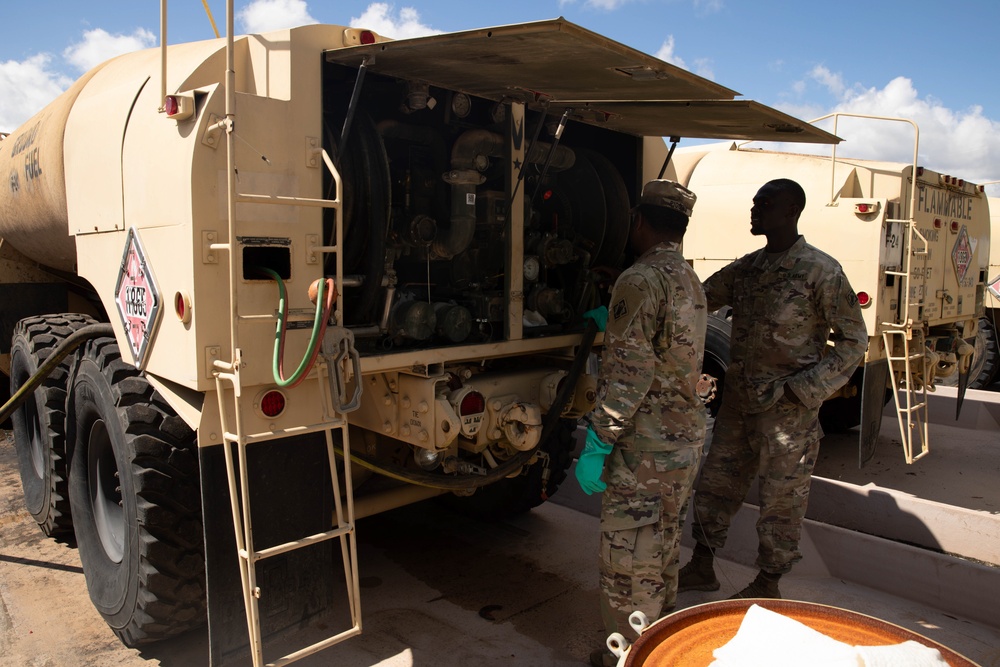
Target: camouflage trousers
x=641, y=517
x=780, y=447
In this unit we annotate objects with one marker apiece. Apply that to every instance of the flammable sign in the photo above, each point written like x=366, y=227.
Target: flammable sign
x=137, y=298
x=961, y=254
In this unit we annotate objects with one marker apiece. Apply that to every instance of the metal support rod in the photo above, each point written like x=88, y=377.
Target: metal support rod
x=352, y=107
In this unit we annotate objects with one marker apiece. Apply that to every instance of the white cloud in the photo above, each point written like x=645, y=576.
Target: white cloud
x=98, y=46
x=666, y=53
x=834, y=83
x=264, y=15
x=702, y=66
x=379, y=17
x=963, y=142
x=26, y=87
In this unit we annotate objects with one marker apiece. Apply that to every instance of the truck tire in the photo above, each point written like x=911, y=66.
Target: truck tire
x=515, y=495
x=136, y=501
x=716, y=361
x=984, y=363
x=40, y=423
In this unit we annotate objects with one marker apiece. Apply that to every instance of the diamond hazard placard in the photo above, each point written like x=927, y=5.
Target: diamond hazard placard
x=137, y=298
x=961, y=254
x=995, y=287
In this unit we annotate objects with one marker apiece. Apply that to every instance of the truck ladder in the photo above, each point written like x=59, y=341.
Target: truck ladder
x=911, y=408
x=332, y=420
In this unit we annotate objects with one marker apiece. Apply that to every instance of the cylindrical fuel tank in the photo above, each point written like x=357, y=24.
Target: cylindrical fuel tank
x=33, y=215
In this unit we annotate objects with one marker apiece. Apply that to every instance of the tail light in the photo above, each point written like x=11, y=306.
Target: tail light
x=471, y=406
x=864, y=299
x=179, y=106
x=272, y=403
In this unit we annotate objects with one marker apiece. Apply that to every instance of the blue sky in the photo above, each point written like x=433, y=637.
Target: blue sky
x=933, y=62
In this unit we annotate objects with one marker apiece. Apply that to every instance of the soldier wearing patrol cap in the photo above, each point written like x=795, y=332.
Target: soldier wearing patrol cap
x=647, y=429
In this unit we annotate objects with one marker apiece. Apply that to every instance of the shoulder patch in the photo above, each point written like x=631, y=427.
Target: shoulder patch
x=620, y=309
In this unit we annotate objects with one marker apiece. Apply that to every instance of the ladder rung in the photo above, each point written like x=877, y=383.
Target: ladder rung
x=315, y=648
x=297, y=544
x=912, y=357
x=285, y=432
x=287, y=201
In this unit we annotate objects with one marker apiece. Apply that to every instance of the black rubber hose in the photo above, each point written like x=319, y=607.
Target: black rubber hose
x=60, y=352
x=458, y=482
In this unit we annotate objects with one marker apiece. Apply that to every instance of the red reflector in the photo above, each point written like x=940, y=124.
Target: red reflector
x=864, y=299
x=473, y=403
x=171, y=105
x=547, y=195
x=367, y=37
x=937, y=223
x=954, y=226
x=179, y=305
x=863, y=208
x=273, y=403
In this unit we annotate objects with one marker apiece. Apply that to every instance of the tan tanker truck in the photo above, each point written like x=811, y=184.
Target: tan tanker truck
x=234, y=264
x=913, y=242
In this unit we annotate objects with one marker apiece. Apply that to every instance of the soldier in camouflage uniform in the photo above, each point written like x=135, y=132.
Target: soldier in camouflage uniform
x=789, y=301
x=649, y=422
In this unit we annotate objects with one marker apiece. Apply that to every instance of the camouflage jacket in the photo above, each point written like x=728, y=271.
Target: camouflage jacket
x=653, y=347
x=783, y=317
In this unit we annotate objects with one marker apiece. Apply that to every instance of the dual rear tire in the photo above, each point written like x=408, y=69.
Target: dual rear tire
x=103, y=459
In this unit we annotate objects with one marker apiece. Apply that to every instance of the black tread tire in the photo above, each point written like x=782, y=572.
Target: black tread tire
x=154, y=586
x=985, y=362
x=39, y=425
x=717, y=356
x=516, y=495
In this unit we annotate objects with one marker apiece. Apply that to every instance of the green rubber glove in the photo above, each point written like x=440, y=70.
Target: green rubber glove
x=600, y=316
x=590, y=465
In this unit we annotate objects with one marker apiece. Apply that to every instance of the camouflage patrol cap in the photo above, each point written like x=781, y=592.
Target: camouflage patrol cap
x=669, y=195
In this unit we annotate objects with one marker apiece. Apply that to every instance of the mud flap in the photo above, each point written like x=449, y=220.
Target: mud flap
x=963, y=384
x=873, y=390
x=291, y=498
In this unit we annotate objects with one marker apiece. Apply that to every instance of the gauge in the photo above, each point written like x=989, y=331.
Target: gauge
x=531, y=268
x=461, y=105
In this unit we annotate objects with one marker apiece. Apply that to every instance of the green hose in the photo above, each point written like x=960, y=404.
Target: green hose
x=279, y=344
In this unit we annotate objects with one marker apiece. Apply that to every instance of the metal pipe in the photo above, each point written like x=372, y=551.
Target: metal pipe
x=163, y=54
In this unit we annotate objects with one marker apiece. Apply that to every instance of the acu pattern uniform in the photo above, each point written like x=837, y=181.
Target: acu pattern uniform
x=649, y=409
x=783, y=315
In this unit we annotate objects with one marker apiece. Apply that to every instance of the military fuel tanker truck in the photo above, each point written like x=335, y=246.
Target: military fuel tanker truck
x=229, y=267
x=914, y=244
